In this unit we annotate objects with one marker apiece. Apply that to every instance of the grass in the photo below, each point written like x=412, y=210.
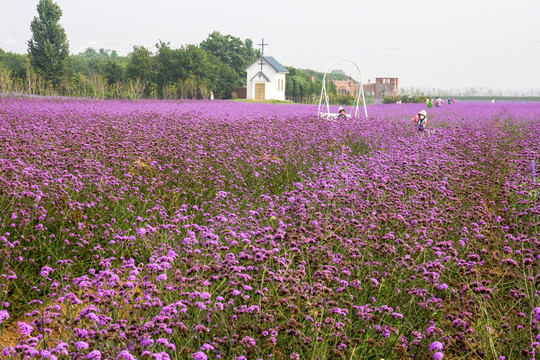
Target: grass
x=273, y=101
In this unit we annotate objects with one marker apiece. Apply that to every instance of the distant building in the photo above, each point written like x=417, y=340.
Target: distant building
x=346, y=87
x=266, y=79
x=379, y=89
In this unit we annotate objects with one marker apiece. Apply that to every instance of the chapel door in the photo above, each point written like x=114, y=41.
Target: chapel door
x=259, y=91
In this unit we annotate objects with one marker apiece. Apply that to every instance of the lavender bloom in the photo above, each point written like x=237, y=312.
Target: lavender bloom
x=183, y=219
x=125, y=355
x=160, y=356
x=207, y=347
x=24, y=328
x=46, y=270
x=248, y=341
x=81, y=345
x=436, y=346
x=46, y=354
x=438, y=356
x=4, y=315
x=94, y=355
x=536, y=313
x=199, y=355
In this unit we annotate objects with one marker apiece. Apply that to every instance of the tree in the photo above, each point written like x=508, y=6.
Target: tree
x=141, y=64
x=112, y=70
x=16, y=63
x=231, y=51
x=48, y=49
x=141, y=68
x=169, y=66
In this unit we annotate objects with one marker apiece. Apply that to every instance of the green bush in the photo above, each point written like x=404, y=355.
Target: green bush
x=404, y=99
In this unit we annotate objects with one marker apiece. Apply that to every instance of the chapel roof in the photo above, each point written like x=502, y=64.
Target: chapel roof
x=274, y=63
x=263, y=75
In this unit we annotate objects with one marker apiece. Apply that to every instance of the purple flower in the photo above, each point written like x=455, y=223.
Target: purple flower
x=46, y=354
x=125, y=355
x=436, y=346
x=199, y=355
x=249, y=341
x=94, y=355
x=207, y=347
x=161, y=277
x=4, y=315
x=81, y=345
x=205, y=295
x=161, y=356
x=438, y=356
x=46, y=270
x=536, y=312
x=24, y=328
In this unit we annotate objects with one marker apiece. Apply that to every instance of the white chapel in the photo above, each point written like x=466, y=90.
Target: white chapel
x=266, y=79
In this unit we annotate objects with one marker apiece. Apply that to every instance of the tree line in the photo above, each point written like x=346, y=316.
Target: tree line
x=216, y=66
x=192, y=71
x=213, y=67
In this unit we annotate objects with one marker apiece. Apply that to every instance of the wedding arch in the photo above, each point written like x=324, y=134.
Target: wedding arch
x=323, y=100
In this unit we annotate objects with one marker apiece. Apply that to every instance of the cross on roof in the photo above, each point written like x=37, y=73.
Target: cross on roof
x=262, y=44
x=262, y=63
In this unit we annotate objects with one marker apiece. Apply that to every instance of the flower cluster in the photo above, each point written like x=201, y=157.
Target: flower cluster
x=225, y=230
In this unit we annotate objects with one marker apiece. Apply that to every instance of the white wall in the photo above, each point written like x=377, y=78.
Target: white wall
x=271, y=88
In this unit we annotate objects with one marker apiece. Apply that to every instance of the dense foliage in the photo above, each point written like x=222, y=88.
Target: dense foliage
x=216, y=66
x=223, y=230
x=404, y=99
x=48, y=48
x=231, y=51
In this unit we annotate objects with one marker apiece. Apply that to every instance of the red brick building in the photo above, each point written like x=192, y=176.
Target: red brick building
x=379, y=89
x=346, y=87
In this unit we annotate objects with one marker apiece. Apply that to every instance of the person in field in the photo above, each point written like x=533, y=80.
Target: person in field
x=438, y=102
x=420, y=120
x=341, y=113
x=429, y=103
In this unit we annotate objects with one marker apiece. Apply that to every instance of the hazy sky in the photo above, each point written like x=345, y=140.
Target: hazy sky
x=426, y=43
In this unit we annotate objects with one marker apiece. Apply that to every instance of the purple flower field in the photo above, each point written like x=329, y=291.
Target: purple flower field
x=224, y=230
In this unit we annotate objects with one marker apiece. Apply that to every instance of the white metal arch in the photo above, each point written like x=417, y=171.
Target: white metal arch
x=356, y=103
